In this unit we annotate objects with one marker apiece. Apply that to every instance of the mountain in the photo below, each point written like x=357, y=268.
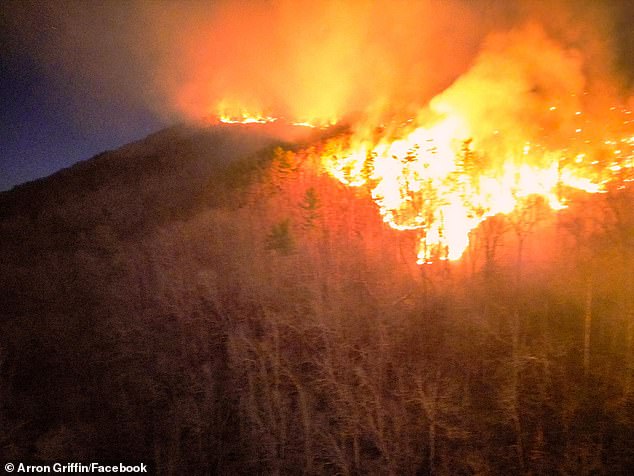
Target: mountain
x=208, y=301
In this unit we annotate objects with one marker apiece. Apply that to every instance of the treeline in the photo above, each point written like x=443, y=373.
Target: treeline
x=259, y=318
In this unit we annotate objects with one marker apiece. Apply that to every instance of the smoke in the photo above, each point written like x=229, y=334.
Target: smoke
x=309, y=60
x=319, y=60
x=523, y=85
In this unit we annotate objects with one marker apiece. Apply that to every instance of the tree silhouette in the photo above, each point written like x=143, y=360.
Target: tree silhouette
x=310, y=206
x=280, y=239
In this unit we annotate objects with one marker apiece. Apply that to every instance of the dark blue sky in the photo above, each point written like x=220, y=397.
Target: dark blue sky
x=42, y=131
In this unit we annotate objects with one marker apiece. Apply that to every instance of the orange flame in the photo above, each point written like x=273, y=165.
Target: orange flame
x=518, y=124
x=429, y=179
x=228, y=113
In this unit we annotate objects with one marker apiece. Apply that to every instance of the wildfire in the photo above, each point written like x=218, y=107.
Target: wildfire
x=435, y=180
x=522, y=124
x=232, y=112
x=245, y=118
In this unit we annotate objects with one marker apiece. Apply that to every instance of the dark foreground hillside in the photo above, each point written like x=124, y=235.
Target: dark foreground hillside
x=208, y=302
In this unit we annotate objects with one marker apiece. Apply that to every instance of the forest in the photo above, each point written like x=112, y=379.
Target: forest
x=209, y=301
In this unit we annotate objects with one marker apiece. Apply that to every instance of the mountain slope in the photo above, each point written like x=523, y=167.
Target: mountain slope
x=208, y=302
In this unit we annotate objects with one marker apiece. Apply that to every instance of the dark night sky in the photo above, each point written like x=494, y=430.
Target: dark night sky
x=42, y=130
x=56, y=111
x=52, y=113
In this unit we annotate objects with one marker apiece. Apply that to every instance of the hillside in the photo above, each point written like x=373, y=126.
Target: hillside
x=208, y=301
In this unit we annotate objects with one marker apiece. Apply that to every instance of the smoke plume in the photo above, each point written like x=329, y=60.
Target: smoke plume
x=324, y=60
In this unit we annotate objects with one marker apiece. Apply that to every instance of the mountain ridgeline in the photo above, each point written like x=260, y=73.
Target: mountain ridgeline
x=208, y=301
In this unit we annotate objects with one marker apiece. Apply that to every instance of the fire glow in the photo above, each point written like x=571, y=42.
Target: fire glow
x=245, y=116
x=431, y=180
x=435, y=180
x=518, y=127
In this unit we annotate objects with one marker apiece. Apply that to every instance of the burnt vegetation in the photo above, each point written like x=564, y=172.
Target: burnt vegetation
x=208, y=302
